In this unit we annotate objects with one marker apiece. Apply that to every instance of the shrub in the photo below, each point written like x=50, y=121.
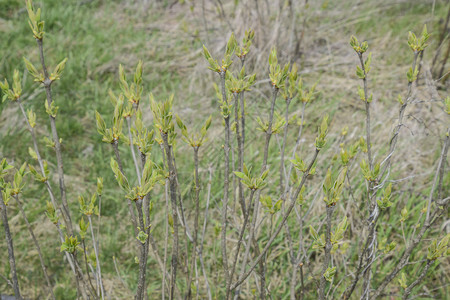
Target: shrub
x=258, y=205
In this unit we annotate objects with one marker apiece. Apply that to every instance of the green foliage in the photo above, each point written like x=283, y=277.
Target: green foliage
x=121, y=179
x=70, y=244
x=370, y=175
x=270, y=206
x=226, y=61
x=51, y=213
x=162, y=113
x=323, y=131
x=16, y=91
x=112, y=135
x=447, y=105
x=329, y=274
x=142, y=137
x=242, y=51
x=38, y=176
x=359, y=48
x=240, y=84
x=436, y=250
x=385, y=247
x=89, y=207
x=253, y=183
x=55, y=75
x=418, y=44
x=333, y=191
x=142, y=237
x=338, y=234
x=51, y=109
x=195, y=140
x=83, y=228
x=348, y=154
x=412, y=75
x=36, y=25
x=18, y=183
x=318, y=241
x=306, y=95
x=385, y=202
x=38, y=76
x=402, y=281
x=132, y=92
x=277, y=74
x=277, y=124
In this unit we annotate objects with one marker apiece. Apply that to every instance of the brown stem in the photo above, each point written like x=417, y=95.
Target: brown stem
x=99, y=270
x=197, y=213
x=393, y=141
x=280, y=226
x=240, y=153
x=327, y=256
x=86, y=264
x=47, y=85
x=430, y=219
x=226, y=149
x=143, y=252
x=409, y=289
x=282, y=168
x=36, y=244
x=40, y=161
x=9, y=242
x=241, y=236
x=115, y=146
x=173, y=198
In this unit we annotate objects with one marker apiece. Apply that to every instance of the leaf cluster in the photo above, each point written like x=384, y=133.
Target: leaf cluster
x=272, y=207
x=277, y=74
x=253, y=183
x=16, y=91
x=332, y=190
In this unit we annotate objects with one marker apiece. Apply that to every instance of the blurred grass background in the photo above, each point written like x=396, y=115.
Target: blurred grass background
x=96, y=36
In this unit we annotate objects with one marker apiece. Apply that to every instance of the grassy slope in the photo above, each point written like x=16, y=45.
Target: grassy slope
x=96, y=37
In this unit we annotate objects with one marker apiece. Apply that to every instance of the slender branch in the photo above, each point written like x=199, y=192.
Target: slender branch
x=226, y=149
x=197, y=213
x=143, y=257
x=9, y=242
x=438, y=211
x=241, y=236
x=36, y=244
x=263, y=275
x=294, y=150
x=86, y=264
x=40, y=160
x=366, y=101
x=166, y=235
x=118, y=273
x=394, y=139
x=409, y=289
x=439, y=175
x=173, y=198
x=269, y=133
x=327, y=256
x=48, y=91
x=282, y=167
x=133, y=154
x=200, y=254
x=99, y=270
x=296, y=263
x=240, y=153
x=280, y=226
x=115, y=146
